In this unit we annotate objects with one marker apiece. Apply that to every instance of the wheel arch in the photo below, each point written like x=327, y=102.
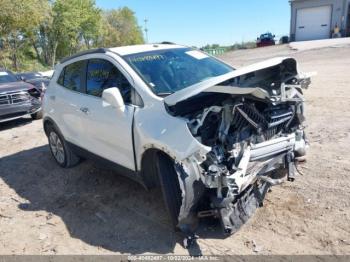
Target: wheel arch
x=149, y=171
x=48, y=121
x=190, y=185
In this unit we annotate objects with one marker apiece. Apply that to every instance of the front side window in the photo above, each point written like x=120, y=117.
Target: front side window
x=73, y=75
x=101, y=75
x=170, y=70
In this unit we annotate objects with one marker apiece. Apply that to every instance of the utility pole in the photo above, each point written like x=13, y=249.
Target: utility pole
x=146, y=29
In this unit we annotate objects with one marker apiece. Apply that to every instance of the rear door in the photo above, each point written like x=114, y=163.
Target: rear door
x=67, y=99
x=107, y=131
x=313, y=23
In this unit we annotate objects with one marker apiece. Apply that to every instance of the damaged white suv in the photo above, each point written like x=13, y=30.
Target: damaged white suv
x=212, y=137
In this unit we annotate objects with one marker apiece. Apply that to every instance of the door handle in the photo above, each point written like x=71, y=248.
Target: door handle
x=53, y=98
x=85, y=110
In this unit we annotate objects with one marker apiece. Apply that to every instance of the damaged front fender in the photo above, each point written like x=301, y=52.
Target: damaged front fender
x=192, y=189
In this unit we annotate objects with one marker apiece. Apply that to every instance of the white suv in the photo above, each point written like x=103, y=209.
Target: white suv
x=212, y=137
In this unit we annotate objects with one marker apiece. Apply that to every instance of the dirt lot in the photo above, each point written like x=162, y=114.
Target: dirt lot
x=85, y=210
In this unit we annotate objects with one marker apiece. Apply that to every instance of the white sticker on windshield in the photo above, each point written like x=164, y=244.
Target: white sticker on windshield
x=196, y=54
x=3, y=74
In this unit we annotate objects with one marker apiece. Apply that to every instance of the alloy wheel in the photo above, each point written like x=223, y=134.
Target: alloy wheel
x=57, y=149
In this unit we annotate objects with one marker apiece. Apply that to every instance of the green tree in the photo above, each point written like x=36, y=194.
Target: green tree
x=44, y=31
x=75, y=26
x=120, y=27
x=18, y=20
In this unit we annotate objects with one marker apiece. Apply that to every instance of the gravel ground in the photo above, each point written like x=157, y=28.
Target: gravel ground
x=86, y=210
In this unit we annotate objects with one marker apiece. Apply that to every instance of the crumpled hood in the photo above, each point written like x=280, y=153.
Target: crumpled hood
x=15, y=86
x=207, y=85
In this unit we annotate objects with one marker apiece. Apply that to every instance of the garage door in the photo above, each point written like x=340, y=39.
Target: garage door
x=313, y=23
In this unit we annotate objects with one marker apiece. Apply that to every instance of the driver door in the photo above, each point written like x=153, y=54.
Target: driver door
x=107, y=131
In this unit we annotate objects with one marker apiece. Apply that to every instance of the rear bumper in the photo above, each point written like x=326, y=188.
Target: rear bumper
x=263, y=44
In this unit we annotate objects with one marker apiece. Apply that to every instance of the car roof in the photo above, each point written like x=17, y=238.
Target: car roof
x=124, y=50
x=133, y=49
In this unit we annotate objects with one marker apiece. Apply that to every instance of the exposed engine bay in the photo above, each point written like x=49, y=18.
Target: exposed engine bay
x=253, y=124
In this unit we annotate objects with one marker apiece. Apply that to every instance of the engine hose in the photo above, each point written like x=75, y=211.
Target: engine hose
x=297, y=169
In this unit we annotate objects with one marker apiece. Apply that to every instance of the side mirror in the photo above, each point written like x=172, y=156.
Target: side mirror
x=113, y=97
x=22, y=78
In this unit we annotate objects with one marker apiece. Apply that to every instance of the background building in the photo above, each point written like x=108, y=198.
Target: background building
x=316, y=19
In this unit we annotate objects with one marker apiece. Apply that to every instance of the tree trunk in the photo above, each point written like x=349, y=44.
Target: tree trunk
x=14, y=61
x=14, y=54
x=54, y=54
x=36, y=51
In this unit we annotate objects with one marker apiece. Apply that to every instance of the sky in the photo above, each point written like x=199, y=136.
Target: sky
x=201, y=22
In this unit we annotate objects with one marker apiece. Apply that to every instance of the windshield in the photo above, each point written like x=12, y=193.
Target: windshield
x=6, y=77
x=170, y=70
x=266, y=36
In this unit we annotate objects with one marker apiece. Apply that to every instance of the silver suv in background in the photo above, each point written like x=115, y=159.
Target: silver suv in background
x=18, y=98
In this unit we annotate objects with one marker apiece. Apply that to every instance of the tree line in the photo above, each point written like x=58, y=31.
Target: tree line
x=44, y=31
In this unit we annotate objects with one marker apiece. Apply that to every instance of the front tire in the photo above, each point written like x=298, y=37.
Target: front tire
x=170, y=187
x=60, y=150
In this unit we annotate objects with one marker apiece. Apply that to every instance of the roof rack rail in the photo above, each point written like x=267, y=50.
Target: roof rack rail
x=87, y=52
x=167, y=43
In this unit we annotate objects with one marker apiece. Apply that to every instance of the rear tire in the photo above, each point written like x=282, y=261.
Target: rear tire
x=60, y=150
x=170, y=187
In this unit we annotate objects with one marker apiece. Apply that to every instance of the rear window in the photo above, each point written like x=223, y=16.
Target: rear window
x=93, y=76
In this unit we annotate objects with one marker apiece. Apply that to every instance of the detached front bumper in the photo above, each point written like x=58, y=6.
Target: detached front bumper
x=257, y=172
x=234, y=211
x=234, y=196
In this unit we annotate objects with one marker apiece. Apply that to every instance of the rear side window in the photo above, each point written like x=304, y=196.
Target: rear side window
x=102, y=74
x=73, y=76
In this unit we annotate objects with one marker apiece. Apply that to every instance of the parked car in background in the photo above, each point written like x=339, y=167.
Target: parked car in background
x=212, y=137
x=28, y=75
x=18, y=98
x=284, y=40
x=266, y=39
x=34, y=78
x=40, y=83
